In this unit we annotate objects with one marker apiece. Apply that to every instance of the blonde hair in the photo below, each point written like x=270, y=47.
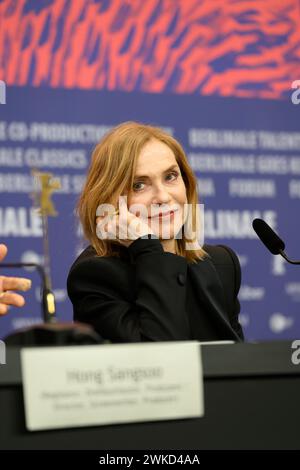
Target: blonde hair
x=111, y=173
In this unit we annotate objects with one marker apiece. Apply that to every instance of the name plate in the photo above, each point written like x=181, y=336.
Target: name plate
x=110, y=384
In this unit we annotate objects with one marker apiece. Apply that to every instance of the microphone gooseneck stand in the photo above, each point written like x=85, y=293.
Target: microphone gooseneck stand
x=284, y=255
x=48, y=299
x=270, y=239
x=51, y=332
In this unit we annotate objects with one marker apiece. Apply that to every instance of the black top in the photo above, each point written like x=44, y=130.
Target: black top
x=151, y=295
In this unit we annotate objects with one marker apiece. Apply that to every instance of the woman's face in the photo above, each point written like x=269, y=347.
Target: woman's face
x=159, y=187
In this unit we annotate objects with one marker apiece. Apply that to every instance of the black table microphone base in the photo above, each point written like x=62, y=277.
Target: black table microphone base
x=54, y=334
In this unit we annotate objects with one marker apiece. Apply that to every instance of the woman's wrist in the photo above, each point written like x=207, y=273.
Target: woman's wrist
x=146, y=244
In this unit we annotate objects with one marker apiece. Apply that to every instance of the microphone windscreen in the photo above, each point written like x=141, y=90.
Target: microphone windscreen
x=269, y=238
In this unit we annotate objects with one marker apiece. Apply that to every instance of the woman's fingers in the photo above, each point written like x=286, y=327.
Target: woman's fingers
x=124, y=227
x=3, y=251
x=10, y=298
x=3, y=309
x=14, y=283
x=122, y=206
x=9, y=284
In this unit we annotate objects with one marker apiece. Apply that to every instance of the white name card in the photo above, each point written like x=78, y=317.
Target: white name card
x=112, y=383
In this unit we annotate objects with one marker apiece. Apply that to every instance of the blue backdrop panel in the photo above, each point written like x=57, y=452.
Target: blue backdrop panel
x=245, y=154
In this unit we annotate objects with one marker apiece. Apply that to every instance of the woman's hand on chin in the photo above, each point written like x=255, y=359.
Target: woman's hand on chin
x=122, y=226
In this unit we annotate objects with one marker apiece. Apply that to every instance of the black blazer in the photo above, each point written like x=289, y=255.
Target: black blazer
x=151, y=295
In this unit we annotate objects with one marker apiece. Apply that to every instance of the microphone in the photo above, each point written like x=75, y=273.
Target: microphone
x=48, y=299
x=270, y=239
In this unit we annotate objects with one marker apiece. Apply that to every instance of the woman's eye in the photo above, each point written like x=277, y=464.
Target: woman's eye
x=135, y=186
x=173, y=174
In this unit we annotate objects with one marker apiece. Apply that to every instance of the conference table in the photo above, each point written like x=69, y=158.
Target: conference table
x=251, y=394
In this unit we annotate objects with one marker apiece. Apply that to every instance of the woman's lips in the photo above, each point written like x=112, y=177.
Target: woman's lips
x=163, y=215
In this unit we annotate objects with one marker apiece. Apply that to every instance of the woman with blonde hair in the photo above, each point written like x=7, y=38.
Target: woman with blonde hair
x=145, y=276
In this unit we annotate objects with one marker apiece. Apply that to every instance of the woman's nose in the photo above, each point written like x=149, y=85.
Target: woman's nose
x=161, y=195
